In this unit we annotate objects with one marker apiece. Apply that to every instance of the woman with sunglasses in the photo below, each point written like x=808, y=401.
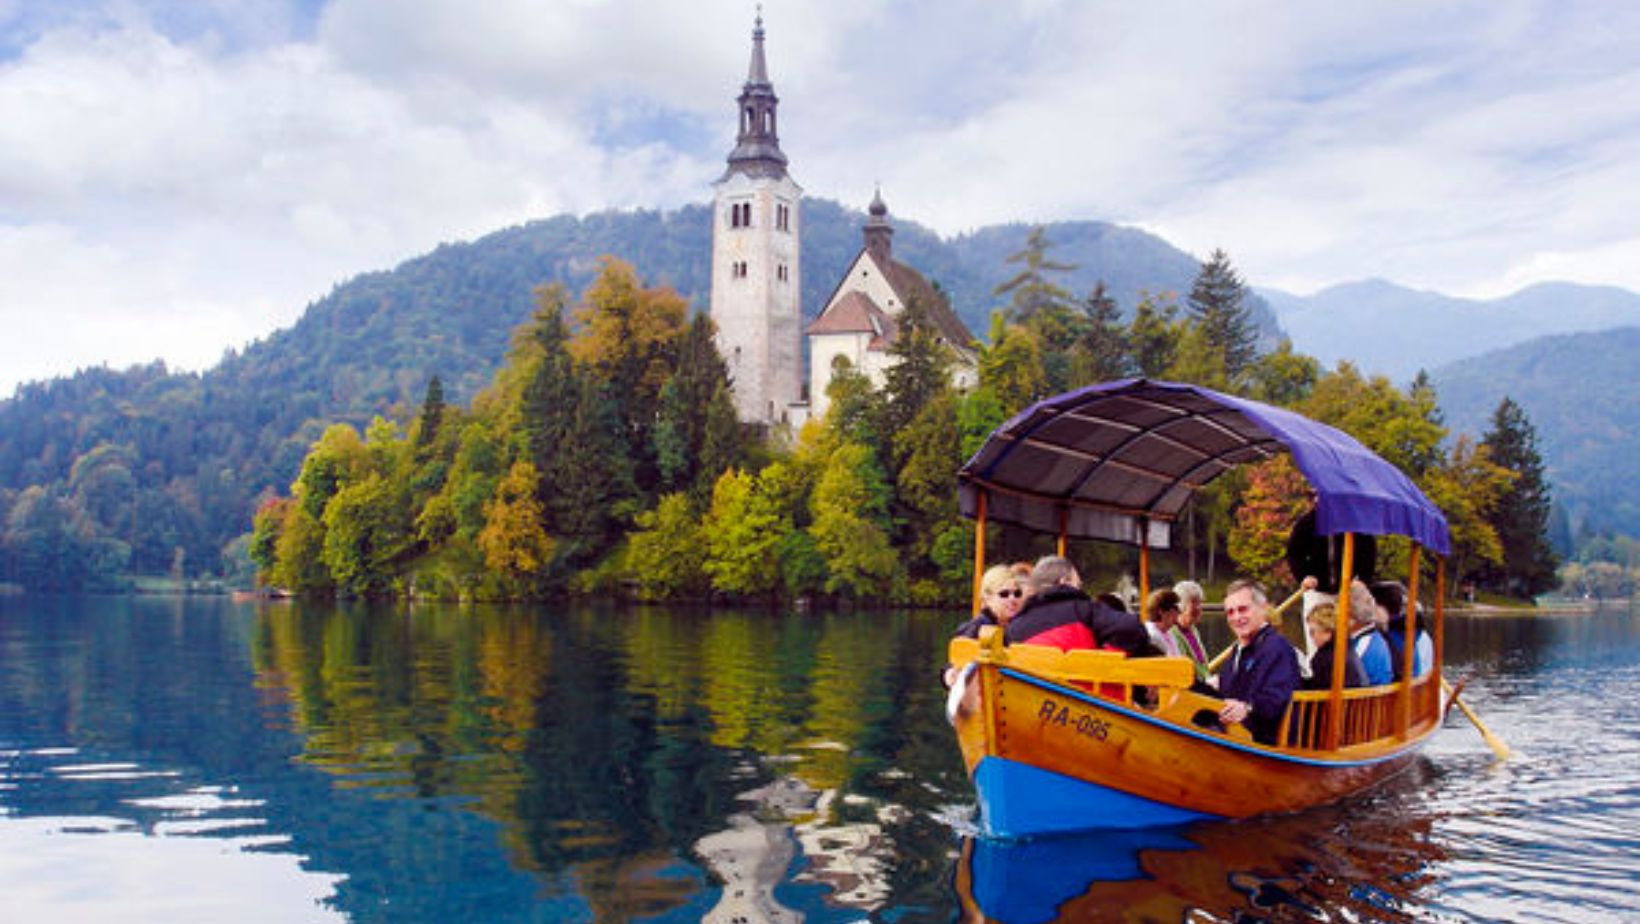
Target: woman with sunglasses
x=1002, y=593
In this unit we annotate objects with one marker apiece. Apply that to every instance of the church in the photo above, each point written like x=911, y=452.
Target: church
x=756, y=299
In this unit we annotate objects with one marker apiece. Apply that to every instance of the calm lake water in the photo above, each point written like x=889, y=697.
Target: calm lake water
x=200, y=760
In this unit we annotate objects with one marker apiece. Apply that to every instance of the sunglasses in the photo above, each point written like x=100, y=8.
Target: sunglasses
x=1010, y=593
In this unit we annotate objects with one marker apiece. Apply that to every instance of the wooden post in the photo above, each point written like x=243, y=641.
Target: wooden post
x=979, y=550
x=1144, y=562
x=1410, y=646
x=1064, y=528
x=1440, y=620
x=1341, y=638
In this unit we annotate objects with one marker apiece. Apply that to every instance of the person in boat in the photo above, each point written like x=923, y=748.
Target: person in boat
x=1369, y=642
x=1320, y=622
x=1391, y=600
x=1186, y=637
x=1161, y=614
x=1258, y=679
x=1060, y=613
x=1001, y=594
x=1311, y=555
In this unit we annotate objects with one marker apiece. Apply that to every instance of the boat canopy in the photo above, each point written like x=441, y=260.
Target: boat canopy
x=1118, y=461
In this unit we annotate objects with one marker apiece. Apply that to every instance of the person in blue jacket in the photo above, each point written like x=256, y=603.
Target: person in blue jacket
x=1258, y=679
x=1367, y=639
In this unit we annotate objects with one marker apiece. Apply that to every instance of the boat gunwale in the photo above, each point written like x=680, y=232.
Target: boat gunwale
x=1411, y=743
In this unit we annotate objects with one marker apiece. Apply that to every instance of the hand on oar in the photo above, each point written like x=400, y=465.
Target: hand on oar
x=1492, y=741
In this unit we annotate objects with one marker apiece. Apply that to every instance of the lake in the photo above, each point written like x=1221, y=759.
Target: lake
x=195, y=759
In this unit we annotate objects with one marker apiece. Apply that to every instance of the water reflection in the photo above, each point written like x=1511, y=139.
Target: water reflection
x=586, y=764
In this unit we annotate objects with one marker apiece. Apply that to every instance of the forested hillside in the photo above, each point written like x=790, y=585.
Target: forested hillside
x=1582, y=394
x=1387, y=329
x=171, y=465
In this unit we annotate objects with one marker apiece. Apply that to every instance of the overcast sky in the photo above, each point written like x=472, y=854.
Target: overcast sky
x=182, y=176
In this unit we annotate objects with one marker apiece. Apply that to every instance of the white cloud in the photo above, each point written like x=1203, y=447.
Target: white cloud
x=181, y=177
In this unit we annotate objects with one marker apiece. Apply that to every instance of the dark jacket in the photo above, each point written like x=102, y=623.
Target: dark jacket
x=1321, y=668
x=1065, y=618
x=1322, y=557
x=970, y=629
x=1263, y=674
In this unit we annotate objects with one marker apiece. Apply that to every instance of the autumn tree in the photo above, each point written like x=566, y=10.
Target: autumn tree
x=515, y=544
x=743, y=529
x=628, y=342
x=1275, y=496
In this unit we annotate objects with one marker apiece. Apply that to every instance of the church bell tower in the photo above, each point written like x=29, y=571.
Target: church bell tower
x=755, y=280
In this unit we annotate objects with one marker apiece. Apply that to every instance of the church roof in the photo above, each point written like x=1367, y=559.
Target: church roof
x=909, y=284
x=857, y=313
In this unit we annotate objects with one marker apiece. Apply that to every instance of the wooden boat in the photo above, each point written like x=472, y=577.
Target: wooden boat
x=1066, y=741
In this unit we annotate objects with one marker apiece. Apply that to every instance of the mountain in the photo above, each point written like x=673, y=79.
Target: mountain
x=1582, y=395
x=1384, y=328
x=172, y=464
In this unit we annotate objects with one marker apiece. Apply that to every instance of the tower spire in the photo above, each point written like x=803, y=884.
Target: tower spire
x=758, y=73
x=757, y=147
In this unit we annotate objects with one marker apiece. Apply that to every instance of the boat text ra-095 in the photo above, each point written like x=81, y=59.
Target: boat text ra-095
x=1068, y=740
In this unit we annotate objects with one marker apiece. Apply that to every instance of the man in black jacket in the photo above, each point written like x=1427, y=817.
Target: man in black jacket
x=1258, y=681
x=1059, y=613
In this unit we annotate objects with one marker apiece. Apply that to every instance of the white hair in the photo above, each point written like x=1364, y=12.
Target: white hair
x=1188, y=591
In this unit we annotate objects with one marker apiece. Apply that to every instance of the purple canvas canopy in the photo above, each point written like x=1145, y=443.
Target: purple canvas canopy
x=1116, y=458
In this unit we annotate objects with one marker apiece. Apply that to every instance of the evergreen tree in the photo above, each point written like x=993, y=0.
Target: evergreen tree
x=1101, y=353
x=1030, y=288
x=1152, y=336
x=689, y=435
x=432, y=414
x=921, y=367
x=549, y=396
x=1521, y=516
x=1218, y=302
x=593, y=493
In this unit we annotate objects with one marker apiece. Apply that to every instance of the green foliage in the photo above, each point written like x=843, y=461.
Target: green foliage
x=850, y=509
x=1030, y=288
x=1218, y=303
x=666, y=555
x=743, y=529
x=1011, y=367
x=1276, y=496
x=1151, y=335
x=1521, y=516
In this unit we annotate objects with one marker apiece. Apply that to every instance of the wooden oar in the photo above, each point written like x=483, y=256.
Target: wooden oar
x=1275, y=620
x=1492, y=741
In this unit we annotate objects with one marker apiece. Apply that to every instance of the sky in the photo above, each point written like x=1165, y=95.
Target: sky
x=182, y=177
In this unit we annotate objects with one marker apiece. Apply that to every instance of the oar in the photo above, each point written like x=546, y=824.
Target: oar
x=1275, y=620
x=1492, y=741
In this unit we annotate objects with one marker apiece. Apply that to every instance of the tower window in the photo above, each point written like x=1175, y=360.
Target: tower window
x=782, y=217
x=740, y=215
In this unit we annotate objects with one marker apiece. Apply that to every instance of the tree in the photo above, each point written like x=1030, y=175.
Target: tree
x=850, y=507
x=628, y=342
x=1152, y=335
x=1466, y=486
x=432, y=414
x=666, y=555
x=1283, y=377
x=743, y=529
x=1218, y=302
x=1011, y=367
x=1101, y=353
x=366, y=532
x=1030, y=288
x=593, y=492
x=692, y=444
x=1521, y=516
x=1275, y=497
x=921, y=366
x=926, y=484
x=514, y=541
